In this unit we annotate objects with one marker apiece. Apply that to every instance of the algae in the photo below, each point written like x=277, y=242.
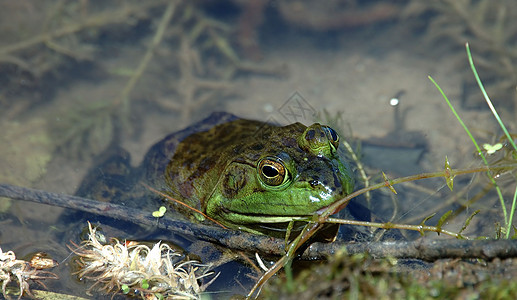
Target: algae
x=26, y=150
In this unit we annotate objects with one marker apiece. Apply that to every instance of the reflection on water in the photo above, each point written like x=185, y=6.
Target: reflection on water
x=80, y=77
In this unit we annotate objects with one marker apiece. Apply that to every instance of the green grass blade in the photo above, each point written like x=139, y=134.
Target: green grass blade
x=500, y=195
x=487, y=99
x=512, y=212
x=501, y=124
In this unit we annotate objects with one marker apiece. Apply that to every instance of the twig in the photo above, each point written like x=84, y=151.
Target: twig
x=157, y=39
x=311, y=228
x=95, y=21
x=115, y=211
x=425, y=249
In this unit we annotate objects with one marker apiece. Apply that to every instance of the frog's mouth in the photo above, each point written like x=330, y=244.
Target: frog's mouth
x=327, y=234
x=252, y=218
x=276, y=225
x=239, y=217
x=271, y=218
x=249, y=219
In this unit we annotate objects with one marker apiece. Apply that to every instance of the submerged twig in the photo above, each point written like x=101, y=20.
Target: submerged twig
x=426, y=249
x=115, y=211
x=94, y=21
x=157, y=39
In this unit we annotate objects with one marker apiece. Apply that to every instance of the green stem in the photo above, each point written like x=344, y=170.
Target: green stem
x=489, y=173
x=487, y=99
x=420, y=228
x=501, y=124
x=340, y=204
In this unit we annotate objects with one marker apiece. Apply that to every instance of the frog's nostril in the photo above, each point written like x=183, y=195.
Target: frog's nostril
x=314, y=183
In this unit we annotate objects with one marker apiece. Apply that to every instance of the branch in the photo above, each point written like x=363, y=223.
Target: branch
x=425, y=248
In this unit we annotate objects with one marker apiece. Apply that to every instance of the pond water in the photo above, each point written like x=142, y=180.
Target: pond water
x=126, y=73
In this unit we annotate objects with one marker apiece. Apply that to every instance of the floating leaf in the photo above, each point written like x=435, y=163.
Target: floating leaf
x=498, y=230
x=160, y=212
x=181, y=203
x=491, y=149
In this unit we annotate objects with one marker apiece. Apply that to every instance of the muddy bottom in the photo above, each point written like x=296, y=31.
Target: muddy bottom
x=345, y=77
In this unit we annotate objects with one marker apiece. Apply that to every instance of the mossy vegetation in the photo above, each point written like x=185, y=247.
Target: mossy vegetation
x=30, y=150
x=362, y=277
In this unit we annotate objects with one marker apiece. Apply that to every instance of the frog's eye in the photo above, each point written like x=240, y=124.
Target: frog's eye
x=272, y=172
x=332, y=136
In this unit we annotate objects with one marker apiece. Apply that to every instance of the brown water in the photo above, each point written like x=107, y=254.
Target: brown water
x=55, y=89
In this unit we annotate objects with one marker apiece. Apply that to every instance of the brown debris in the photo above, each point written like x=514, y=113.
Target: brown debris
x=316, y=16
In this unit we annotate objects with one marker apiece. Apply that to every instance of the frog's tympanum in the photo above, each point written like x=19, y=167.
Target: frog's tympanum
x=245, y=174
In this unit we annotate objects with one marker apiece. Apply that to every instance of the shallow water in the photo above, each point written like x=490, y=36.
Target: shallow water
x=77, y=82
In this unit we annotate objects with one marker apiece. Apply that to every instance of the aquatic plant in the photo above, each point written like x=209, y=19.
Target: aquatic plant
x=361, y=276
x=184, y=37
x=135, y=268
x=319, y=219
x=508, y=218
x=488, y=25
x=12, y=269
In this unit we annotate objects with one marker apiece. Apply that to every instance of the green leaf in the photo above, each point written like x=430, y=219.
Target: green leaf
x=388, y=184
x=491, y=149
x=449, y=177
x=427, y=219
x=514, y=236
x=467, y=222
x=422, y=224
x=160, y=212
x=145, y=284
x=442, y=220
x=125, y=288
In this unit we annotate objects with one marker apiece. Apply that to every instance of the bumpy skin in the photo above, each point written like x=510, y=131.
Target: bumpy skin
x=246, y=174
x=219, y=171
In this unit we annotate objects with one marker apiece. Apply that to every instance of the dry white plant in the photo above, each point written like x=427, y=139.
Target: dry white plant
x=22, y=271
x=157, y=272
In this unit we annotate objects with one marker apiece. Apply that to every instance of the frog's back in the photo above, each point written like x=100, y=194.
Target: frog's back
x=158, y=157
x=200, y=160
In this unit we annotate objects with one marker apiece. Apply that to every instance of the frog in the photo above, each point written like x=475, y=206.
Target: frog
x=243, y=174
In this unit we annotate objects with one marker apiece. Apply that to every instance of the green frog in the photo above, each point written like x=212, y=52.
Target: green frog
x=246, y=175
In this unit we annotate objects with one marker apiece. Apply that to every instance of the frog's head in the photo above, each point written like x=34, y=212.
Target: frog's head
x=281, y=174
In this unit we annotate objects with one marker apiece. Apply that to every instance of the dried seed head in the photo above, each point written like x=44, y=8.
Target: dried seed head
x=132, y=266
